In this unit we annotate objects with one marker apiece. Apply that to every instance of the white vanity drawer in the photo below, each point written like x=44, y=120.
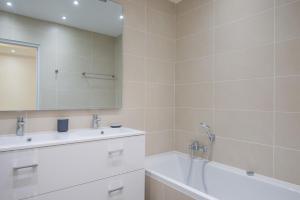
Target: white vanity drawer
x=68, y=165
x=128, y=186
x=54, y=168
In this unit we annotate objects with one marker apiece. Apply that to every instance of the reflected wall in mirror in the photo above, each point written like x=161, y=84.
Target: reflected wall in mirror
x=67, y=55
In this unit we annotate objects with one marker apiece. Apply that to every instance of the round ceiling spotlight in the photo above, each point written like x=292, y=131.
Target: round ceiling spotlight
x=9, y=4
x=64, y=18
x=121, y=16
x=76, y=3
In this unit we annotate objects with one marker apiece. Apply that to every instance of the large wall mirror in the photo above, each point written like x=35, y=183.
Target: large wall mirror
x=60, y=54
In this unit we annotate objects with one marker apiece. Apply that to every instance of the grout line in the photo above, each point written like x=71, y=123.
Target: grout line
x=287, y=148
x=214, y=26
x=274, y=86
x=191, y=132
x=246, y=18
x=186, y=12
x=213, y=68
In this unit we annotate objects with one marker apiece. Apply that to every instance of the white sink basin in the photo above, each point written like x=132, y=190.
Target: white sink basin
x=8, y=143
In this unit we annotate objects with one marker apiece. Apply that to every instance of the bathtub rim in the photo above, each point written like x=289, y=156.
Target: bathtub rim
x=194, y=193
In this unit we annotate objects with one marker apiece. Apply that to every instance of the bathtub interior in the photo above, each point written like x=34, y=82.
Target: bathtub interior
x=220, y=181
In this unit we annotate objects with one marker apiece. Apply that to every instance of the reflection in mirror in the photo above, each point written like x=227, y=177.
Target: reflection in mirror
x=76, y=54
x=17, y=77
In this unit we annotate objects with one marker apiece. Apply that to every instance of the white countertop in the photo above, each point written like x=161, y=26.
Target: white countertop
x=51, y=138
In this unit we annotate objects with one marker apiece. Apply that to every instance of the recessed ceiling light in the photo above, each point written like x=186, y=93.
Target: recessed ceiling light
x=76, y=3
x=63, y=17
x=9, y=4
x=121, y=17
x=13, y=51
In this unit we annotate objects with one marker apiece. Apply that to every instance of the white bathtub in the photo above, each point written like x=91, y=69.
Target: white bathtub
x=220, y=182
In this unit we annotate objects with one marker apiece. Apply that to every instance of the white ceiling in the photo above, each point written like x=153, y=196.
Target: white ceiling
x=92, y=15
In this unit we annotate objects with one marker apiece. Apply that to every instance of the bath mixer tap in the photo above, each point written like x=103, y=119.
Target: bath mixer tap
x=96, y=123
x=197, y=147
x=20, y=126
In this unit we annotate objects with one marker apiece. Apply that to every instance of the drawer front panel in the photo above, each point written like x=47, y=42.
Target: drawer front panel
x=128, y=186
x=18, y=174
x=68, y=165
x=27, y=173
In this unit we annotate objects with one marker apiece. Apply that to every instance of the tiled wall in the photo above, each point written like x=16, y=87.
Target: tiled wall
x=238, y=69
x=148, y=89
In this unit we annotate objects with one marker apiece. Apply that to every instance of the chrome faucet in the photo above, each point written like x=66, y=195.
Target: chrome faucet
x=196, y=146
x=96, y=121
x=211, y=135
x=20, y=126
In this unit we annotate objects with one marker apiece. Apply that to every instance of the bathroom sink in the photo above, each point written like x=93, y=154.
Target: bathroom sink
x=49, y=138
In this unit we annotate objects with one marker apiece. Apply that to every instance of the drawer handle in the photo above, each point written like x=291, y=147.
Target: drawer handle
x=25, y=167
x=116, y=189
x=116, y=151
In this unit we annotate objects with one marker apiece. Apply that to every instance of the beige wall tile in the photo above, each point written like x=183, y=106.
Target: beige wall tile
x=158, y=142
x=194, y=71
x=163, y=6
x=8, y=122
x=133, y=118
x=134, y=42
x=189, y=119
x=41, y=124
x=249, y=126
x=185, y=6
x=161, y=48
x=287, y=165
x=194, y=21
x=288, y=130
x=159, y=119
x=250, y=63
x=160, y=95
x=195, y=46
x=160, y=23
x=246, y=156
x=181, y=141
x=135, y=14
x=287, y=98
x=8, y=126
x=244, y=34
x=134, y=95
x=288, y=25
x=288, y=60
x=282, y=2
x=194, y=95
x=230, y=10
x=254, y=94
x=160, y=71
x=134, y=68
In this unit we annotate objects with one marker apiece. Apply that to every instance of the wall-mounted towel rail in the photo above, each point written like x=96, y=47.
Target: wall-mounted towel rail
x=98, y=76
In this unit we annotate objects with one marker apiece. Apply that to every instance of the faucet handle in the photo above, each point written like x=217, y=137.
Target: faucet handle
x=96, y=117
x=20, y=119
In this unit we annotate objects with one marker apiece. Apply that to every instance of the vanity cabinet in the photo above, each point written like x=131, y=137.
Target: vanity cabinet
x=102, y=169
